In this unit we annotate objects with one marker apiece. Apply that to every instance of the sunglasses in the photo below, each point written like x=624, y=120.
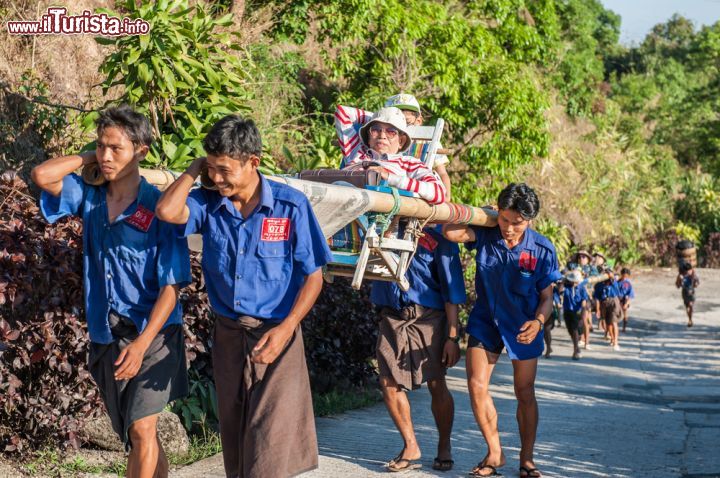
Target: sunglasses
x=389, y=132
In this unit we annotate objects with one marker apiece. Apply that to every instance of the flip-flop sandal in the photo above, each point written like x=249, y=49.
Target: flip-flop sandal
x=442, y=465
x=403, y=465
x=476, y=471
x=530, y=472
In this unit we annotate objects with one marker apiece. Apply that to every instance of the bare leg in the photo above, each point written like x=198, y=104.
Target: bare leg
x=575, y=337
x=524, y=372
x=480, y=365
x=689, y=310
x=547, y=336
x=614, y=333
x=147, y=460
x=443, y=409
x=131, y=464
x=587, y=320
x=398, y=407
x=163, y=466
x=626, y=313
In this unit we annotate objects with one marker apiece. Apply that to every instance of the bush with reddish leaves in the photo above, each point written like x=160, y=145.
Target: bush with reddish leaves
x=711, y=251
x=340, y=335
x=45, y=388
x=662, y=249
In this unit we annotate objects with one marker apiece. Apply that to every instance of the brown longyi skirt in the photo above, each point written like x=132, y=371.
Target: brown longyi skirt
x=410, y=345
x=267, y=425
x=611, y=310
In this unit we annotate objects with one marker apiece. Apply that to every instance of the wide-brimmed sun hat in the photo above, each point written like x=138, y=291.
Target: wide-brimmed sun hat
x=583, y=252
x=599, y=254
x=393, y=117
x=574, y=276
x=403, y=101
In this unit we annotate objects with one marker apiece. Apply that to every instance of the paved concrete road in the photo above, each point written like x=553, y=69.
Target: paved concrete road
x=650, y=409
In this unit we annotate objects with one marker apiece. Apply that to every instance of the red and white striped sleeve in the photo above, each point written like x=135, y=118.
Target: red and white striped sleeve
x=420, y=180
x=348, y=121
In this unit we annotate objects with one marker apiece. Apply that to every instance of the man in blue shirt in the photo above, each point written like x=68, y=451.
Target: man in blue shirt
x=608, y=308
x=583, y=261
x=418, y=340
x=687, y=280
x=575, y=299
x=263, y=251
x=133, y=266
x=516, y=269
x=627, y=292
x=554, y=317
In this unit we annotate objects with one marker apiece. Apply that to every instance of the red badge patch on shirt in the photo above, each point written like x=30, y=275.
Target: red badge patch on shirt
x=275, y=229
x=527, y=262
x=428, y=242
x=141, y=218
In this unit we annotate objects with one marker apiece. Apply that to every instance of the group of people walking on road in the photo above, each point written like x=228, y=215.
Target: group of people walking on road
x=262, y=259
x=516, y=269
x=590, y=287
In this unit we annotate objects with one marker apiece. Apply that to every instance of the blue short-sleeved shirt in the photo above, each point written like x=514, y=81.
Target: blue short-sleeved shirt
x=508, y=283
x=606, y=290
x=589, y=270
x=626, y=289
x=556, y=296
x=435, y=276
x=125, y=263
x=573, y=298
x=256, y=266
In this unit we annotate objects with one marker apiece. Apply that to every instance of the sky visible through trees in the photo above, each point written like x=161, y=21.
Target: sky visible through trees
x=639, y=16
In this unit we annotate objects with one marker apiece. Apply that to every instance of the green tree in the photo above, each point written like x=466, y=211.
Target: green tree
x=589, y=32
x=470, y=63
x=185, y=75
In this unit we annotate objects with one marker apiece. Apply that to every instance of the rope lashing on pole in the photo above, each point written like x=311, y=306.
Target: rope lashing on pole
x=384, y=219
x=460, y=214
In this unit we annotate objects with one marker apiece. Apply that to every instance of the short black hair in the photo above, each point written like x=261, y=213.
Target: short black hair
x=520, y=198
x=233, y=136
x=416, y=114
x=685, y=266
x=625, y=271
x=135, y=125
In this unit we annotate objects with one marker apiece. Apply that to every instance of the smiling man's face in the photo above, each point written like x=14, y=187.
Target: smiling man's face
x=230, y=175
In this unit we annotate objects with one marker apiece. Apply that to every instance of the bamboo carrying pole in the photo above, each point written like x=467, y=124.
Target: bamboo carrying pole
x=160, y=178
x=592, y=280
x=336, y=206
x=379, y=202
x=318, y=193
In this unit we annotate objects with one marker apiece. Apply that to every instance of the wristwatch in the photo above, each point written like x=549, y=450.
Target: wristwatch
x=455, y=339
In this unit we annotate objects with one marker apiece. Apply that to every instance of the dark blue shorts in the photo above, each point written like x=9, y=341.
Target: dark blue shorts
x=494, y=338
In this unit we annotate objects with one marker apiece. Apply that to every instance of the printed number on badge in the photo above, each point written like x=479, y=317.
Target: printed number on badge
x=141, y=219
x=275, y=229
